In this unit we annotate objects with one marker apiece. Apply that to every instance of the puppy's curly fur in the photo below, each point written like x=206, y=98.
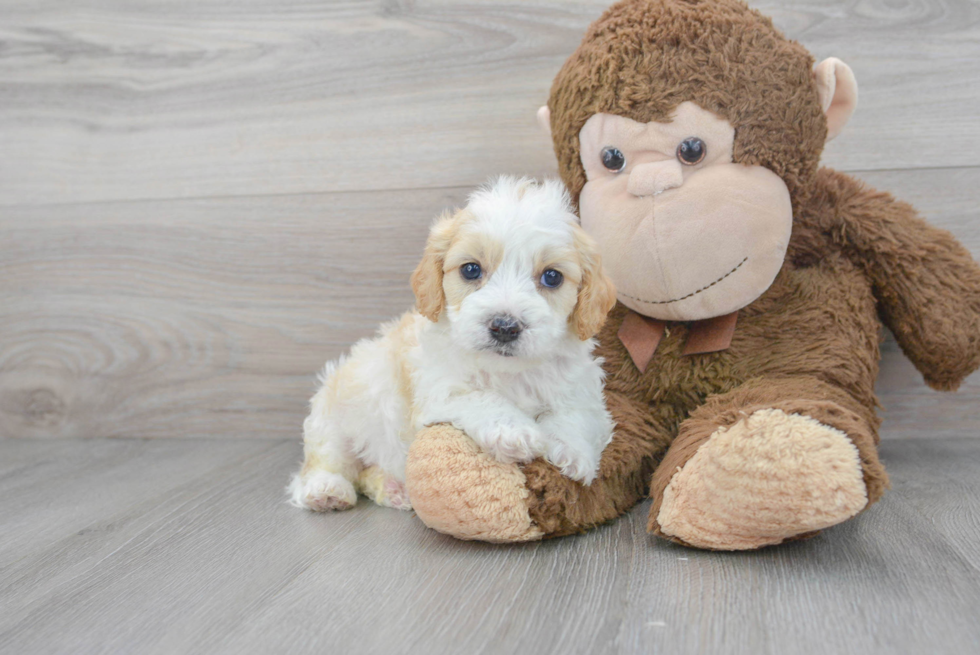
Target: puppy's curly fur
x=510, y=292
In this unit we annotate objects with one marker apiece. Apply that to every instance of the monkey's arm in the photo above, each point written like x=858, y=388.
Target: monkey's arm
x=927, y=284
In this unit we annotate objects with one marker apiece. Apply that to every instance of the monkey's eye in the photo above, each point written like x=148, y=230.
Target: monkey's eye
x=471, y=271
x=691, y=151
x=613, y=159
x=552, y=279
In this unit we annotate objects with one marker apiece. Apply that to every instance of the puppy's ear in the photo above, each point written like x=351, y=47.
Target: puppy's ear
x=596, y=295
x=427, y=278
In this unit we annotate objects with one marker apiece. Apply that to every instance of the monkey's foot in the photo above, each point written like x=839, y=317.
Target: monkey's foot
x=459, y=490
x=768, y=478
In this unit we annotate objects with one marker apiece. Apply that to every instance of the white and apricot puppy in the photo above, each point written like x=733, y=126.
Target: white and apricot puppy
x=510, y=292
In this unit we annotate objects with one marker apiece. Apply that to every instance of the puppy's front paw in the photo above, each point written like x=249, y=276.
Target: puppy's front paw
x=510, y=443
x=573, y=463
x=321, y=492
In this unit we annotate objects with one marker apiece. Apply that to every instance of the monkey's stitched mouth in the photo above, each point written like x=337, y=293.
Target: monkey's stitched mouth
x=693, y=293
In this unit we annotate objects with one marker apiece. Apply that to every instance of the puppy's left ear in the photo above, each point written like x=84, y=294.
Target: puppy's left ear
x=596, y=294
x=427, y=278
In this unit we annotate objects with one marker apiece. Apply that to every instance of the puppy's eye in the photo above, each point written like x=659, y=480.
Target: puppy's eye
x=552, y=279
x=613, y=159
x=691, y=151
x=471, y=271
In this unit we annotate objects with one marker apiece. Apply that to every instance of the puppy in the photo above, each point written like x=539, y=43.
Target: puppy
x=510, y=292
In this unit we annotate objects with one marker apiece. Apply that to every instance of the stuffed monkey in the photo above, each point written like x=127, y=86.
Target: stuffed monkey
x=752, y=284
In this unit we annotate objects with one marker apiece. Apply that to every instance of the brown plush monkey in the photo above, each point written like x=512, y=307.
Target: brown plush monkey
x=752, y=287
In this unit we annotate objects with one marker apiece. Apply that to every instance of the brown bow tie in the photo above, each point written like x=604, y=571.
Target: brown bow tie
x=641, y=335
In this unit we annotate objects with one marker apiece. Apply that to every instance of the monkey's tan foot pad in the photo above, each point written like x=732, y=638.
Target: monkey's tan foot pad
x=769, y=477
x=461, y=491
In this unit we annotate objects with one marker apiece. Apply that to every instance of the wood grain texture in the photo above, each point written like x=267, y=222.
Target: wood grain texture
x=209, y=559
x=195, y=318
x=126, y=99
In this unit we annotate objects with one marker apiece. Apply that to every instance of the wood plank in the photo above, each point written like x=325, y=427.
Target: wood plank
x=946, y=493
x=211, y=317
x=41, y=489
x=200, y=555
x=119, y=99
x=218, y=563
x=195, y=318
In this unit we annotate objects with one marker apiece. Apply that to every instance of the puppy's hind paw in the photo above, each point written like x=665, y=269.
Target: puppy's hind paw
x=321, y=491
x=573, y=463
x=512, y=443
x=383, y=489
x=396, y=495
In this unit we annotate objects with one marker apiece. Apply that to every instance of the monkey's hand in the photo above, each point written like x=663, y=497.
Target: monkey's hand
x=927, y=284
x=460, y=490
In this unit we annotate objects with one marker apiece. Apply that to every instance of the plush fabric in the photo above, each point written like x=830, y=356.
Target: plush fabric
x=643, y=58
x=751, y=482
x=838, y=93
x=776, y=436
x=704, y=233
x=490, y=505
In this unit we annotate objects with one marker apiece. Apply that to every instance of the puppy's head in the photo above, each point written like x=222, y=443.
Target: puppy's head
x=513, y=273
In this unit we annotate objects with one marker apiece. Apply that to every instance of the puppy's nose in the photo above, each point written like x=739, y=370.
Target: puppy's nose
x=505, y=328
x=655, y=177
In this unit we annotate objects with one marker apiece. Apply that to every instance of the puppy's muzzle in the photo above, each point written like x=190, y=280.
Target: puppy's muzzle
x=504, y=329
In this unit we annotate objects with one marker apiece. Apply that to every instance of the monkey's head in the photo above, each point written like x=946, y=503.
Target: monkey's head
x=687, y=131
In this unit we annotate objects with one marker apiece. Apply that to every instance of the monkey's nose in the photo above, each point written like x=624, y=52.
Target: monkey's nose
x=655, y=177
x=505, y=328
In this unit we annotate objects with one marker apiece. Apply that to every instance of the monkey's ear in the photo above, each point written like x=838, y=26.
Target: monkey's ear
x=838, y=91
x=427, y=278
x=596, y=295
x=544, y=119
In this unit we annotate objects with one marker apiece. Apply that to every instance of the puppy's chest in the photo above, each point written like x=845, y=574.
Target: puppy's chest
x=529, y=392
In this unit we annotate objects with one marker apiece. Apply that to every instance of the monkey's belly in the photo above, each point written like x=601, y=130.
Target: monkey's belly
x=818, y=322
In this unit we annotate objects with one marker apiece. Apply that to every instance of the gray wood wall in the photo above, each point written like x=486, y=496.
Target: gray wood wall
x=202, y=202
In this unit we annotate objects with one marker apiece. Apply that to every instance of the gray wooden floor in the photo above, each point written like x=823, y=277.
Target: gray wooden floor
x=187, y=546
x=201, y=202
